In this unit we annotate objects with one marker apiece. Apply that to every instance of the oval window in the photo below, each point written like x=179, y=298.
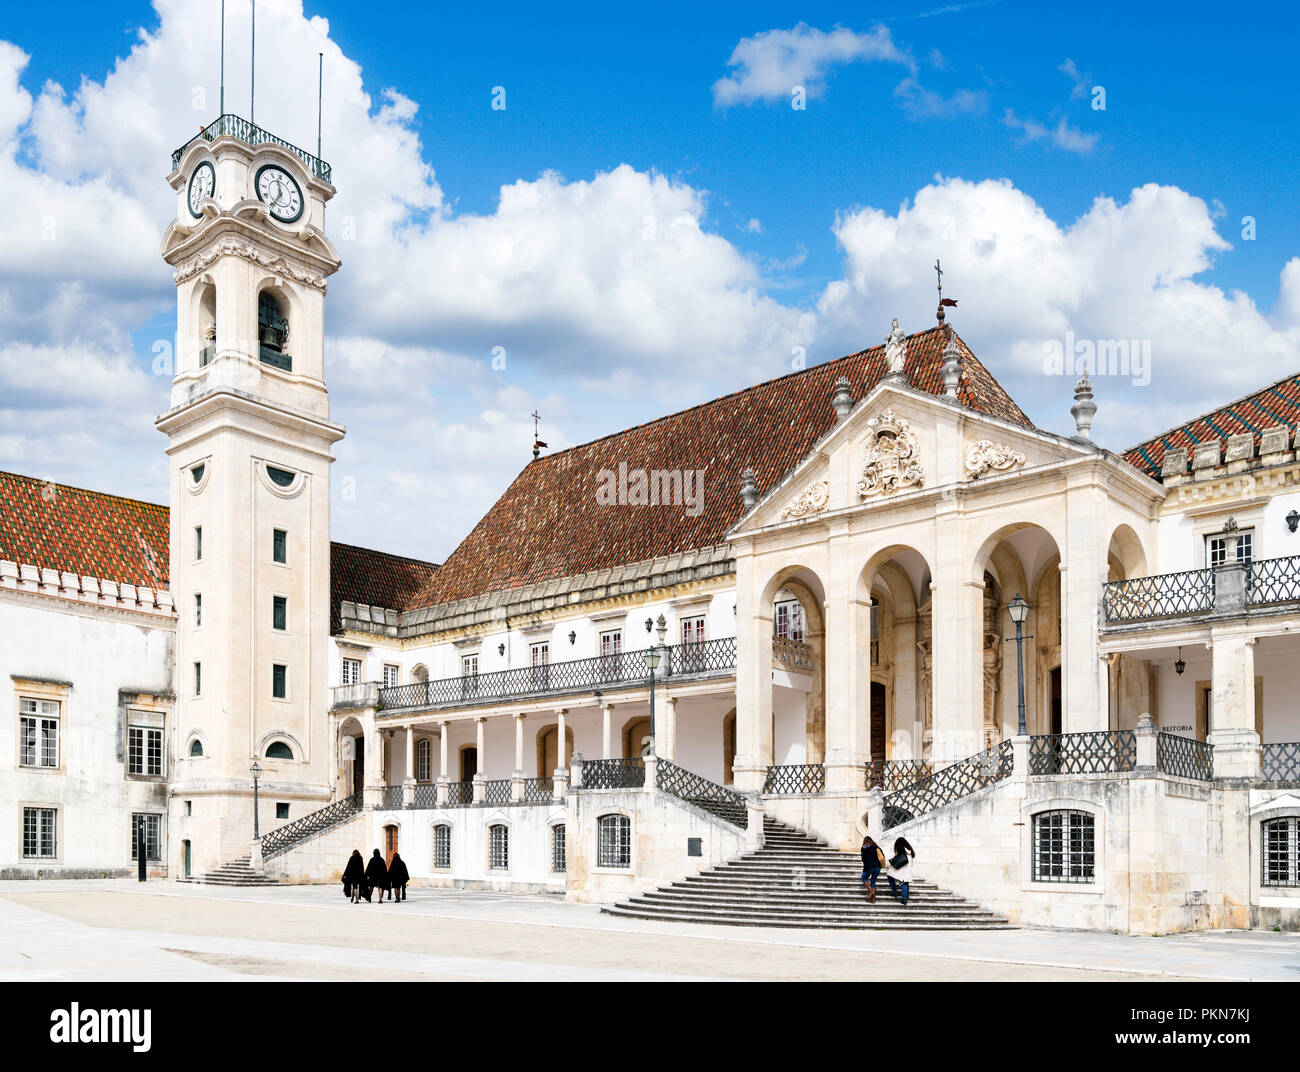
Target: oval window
x=279, y=750
x=281, y=477
x=196, y=474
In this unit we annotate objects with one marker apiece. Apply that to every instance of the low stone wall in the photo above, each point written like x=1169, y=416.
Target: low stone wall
x=836, y=818
x=1164, y=864
x=662, y=826
x=322, y=858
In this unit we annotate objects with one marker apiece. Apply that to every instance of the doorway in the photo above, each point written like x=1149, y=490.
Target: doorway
x=1057, y=709
x=390, y=844
x=636, y=738
x=547, y=758
x=185, y=857
x=468, y=763
x=358, y=764
x=877, y=720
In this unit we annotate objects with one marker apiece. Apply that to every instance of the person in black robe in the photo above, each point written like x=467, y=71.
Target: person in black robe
x=354, y=876
x=398, y=877
x=377, y=874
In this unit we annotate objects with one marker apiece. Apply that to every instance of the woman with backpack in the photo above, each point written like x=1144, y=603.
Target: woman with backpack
x=873, y=859
x=900, y=868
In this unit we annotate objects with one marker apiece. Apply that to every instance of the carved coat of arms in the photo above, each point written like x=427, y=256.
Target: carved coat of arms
x=985, y=455
x=891, y=462
x=812, y=500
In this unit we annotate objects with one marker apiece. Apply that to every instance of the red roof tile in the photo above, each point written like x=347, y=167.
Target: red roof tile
x=106, y=536
x=548, y=523
x=1277, y=404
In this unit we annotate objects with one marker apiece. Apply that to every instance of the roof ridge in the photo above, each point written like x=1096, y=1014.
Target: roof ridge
x=1205, y=415
x=84, y=491
x=743, y=390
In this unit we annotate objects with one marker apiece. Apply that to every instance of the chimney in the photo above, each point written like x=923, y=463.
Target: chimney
x=748, y=488
x=1084, y=408
x=842, y=398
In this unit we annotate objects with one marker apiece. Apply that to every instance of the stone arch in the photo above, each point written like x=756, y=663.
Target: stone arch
x=546, y=741
x=1126, y=552
x=728, y=746
x=419, y=673
x=635, y=735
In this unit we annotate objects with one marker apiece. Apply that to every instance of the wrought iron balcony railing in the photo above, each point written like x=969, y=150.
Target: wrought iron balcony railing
x=795, y=779
x=1273, y=580
x=1166, y=595
x=251, y=134
x=1184, y=757
x=708, y=657
x=539, y=790
x=1104, y=752
x=891, y=774
x=613, y=773
x=1280, y=762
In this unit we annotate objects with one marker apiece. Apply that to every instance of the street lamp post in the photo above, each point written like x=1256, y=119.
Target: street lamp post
x=256, y=771
x=1019, y=611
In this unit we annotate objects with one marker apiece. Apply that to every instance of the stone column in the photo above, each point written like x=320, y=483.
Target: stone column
x=480, y=780
x=606, y=713
x=958, y=667
x=1083, y=572
x=517, y=776
x=408, y=783
x=844, y=639
x=442, y=764
x=753, y=679
x=666, y=731
x=1232, y=704
x=374, y=763
x=561, y=743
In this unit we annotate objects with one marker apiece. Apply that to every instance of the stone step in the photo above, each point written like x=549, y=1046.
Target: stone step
x=726, y=919
x=838, y=904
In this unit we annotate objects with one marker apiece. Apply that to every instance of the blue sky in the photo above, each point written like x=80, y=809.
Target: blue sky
x=975, y=140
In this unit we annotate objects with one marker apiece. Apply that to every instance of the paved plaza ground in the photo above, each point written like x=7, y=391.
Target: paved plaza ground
x=121, y=930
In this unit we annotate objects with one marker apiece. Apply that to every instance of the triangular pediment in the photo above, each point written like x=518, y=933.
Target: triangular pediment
x=899, y=442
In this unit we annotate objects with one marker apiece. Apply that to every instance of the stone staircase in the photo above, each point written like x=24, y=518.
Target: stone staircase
x=798, y=881
x=235, y=873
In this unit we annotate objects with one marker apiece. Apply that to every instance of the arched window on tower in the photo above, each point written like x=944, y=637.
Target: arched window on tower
x=273, y=332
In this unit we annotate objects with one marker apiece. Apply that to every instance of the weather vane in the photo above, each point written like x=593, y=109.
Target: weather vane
x=537, y=442
x=950, y=302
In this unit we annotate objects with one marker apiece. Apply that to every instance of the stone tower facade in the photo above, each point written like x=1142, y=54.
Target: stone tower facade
x=249, y=449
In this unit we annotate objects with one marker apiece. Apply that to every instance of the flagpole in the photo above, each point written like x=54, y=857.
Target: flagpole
x=222, y=110
x=252, y=67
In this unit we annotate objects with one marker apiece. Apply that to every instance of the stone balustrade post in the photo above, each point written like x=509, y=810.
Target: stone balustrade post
x=560, y=785
x=754, y=815
x=575, y=768
x=1146, y=742
x=443, y=791
x=875, y=814
x=1019, y=758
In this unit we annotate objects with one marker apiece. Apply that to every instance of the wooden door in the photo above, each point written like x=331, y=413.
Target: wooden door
x=1057, y=710
x=390, y=844
x=877, y=720
x=358, y=764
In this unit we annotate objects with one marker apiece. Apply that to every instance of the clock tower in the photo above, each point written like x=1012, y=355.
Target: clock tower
x=249, y=446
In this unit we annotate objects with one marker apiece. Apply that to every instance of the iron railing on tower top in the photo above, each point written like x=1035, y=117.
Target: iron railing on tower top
x=252, y=134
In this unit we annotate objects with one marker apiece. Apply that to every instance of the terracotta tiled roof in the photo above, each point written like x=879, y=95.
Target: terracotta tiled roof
x=106, y=536
x=548, y=523
x=1277, y=404
x=374, y=577
x=83, y=532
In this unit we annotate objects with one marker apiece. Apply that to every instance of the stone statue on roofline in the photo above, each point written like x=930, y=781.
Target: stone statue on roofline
x=896, y=352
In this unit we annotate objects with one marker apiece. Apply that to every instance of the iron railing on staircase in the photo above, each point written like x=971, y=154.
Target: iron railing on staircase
x=891, y=774
x=284, y=838
x=795, y=779
x=716, y=799
x=948, y=785
x=1280, y=762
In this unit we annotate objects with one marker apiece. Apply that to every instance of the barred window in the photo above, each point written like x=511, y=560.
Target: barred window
x=1280, y=852
x=424, y=760
x=442, y=846
x=498, y=847
x=614, y=842
x=152, y=823
x=557, y=848
x=39, y=829
x=144, y=750
x=1064, y=849
x=38, y=733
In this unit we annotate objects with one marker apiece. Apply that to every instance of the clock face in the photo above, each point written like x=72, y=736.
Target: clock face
x=202, y=184
x=279, y=191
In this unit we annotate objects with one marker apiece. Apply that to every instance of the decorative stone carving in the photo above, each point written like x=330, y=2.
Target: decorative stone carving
x=984, y=455
x=812, y=500
x=896, y=350
x=1240, y=447
x=1206, y=455
x=1175, y=463
x=234, y=247
x=1274, y=440
x=992, y=664
x=891, y=463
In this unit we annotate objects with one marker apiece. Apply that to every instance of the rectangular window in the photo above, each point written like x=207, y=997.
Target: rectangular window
x=469, y=675
x=442, y=847
x=611, y=644
x=198, y=542
x=390, y=675
x=39, y=833
x=38, y=732
x=198, y=610
x=351, y=671
x=152, y=824
x=557, y=849
x=144, y=750
x=424, y=760
x=875, y=631
x=279, y=612
x=789, y=620
x=693, y=630
x=198, y=679
x=540, y=654
x=1216, y=547
x=282, y=811
x=614, y=841
x=279, y=545
x=1064, y=849
x=692, y=658
x=279, y=676
x=499, y=848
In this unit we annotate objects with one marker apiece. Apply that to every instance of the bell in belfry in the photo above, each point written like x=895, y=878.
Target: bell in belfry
x=272, y=328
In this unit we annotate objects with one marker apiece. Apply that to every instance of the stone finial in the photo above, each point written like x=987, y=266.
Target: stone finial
x=842, y=398
x=951, y=369
x=748, y=488
x=1084, y=408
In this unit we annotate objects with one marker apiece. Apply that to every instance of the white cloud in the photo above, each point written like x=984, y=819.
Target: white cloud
x=1081, y=82
x=922, y=103
x=1063, y=136
x=769, y=65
